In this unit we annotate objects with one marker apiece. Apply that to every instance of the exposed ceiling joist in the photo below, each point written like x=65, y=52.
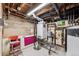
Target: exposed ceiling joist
x=44, y=11
x=55, y=6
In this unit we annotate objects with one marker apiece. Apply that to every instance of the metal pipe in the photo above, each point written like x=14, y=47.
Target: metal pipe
x=38, y=18
x=56, y=7
x=37, y=46
x=73, y=17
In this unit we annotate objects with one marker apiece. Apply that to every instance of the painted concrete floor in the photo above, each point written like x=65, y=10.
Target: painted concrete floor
x=30, y=51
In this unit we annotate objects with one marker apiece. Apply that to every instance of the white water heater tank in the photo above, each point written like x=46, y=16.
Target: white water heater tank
x=42, y=30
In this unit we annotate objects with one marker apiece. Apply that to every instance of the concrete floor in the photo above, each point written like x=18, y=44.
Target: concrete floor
x=30, y=51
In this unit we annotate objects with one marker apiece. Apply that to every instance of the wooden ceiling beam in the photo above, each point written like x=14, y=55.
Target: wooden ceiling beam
x=44, y=10
x=68, y=6
x=24, y=7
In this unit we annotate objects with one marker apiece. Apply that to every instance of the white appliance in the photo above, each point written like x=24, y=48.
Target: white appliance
x=6, y=47
x=73, y=41
x=42, y=30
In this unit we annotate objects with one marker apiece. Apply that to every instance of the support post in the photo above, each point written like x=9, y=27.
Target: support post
x=1, y=29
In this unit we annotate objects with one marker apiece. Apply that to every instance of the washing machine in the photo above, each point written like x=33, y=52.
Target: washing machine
x=72, y=41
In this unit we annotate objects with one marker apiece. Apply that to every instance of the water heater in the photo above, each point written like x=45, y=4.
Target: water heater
x=42, y=30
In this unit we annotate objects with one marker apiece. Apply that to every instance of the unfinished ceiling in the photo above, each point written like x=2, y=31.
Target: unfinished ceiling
x=51, y=11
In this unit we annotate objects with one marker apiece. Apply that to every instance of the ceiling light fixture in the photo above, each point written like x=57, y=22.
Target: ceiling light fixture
x=37, y=8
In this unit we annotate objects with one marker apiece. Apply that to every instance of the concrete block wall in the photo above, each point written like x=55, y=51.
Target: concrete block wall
x=17, y=26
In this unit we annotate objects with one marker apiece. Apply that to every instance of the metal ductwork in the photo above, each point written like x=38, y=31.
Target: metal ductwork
x=36, y=17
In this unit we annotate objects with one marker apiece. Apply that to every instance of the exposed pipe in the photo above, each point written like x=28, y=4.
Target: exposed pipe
x=38, y=19
x=37, y=45
x=73, y=18
x=56, y=8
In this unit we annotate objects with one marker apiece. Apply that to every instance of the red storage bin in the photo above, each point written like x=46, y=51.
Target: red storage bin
x=13, y=38
x=29, y=40
x=15, y=44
